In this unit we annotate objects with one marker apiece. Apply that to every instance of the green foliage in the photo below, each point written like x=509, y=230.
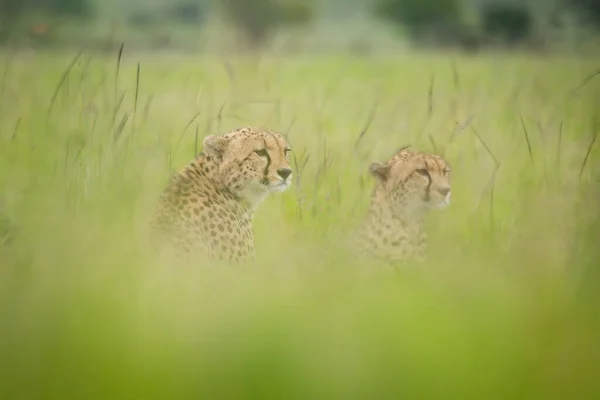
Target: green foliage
x=74, y=8
x=15, y=15
x=589, y=9
x=257, y=19
x=186, y=12
x=510, y=23
x=419, y=13
x=11, y=7
x=420, y=17
x=15, y=8
x=507, y=306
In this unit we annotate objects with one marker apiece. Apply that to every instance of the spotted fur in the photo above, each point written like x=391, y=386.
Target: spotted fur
x=206, y=211
x=407, y=186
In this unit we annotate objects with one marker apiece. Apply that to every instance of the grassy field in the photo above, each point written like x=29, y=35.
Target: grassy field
x=507, y=307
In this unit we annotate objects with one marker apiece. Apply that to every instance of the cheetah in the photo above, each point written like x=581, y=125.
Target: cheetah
x=407, y=187
x=207, y=208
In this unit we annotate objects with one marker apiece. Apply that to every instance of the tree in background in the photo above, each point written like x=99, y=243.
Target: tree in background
x=10, y=11
x=507, y=23
x=71, y=8
x=255, y=20
x=443, y=22
x=14, y=13
x=17, y=8
x=589, y=9
x=434, y=19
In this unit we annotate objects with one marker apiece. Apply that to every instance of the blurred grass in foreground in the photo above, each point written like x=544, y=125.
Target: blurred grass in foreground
x=506, y=308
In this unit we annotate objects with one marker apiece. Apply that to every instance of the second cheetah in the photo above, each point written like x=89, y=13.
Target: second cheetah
x=407, y=186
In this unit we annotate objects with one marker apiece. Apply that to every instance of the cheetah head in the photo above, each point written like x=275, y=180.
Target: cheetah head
x=413, y=182
x=252, y=162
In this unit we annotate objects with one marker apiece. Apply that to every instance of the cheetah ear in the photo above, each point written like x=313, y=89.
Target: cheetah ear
x=379, y=171
x=215, y=145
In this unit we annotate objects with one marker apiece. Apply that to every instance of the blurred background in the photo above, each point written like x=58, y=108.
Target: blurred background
x=361, y=26
x=101, y=101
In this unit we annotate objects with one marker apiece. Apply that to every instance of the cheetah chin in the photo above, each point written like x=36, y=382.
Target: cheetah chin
x=446, y=202
x=281, y=186
x=257, y=191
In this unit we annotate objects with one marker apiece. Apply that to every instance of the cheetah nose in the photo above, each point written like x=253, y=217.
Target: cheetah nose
x=444, y=190
x=284, y=172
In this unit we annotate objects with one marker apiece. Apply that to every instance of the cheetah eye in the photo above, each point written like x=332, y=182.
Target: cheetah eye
x=446, y=171
x=423, y=172
x=287, y=151
x=261, y=152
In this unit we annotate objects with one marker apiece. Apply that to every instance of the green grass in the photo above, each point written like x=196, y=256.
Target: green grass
x=507, y=306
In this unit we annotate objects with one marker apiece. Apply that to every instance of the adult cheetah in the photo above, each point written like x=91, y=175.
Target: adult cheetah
x=407, y=187
x=207, y=208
